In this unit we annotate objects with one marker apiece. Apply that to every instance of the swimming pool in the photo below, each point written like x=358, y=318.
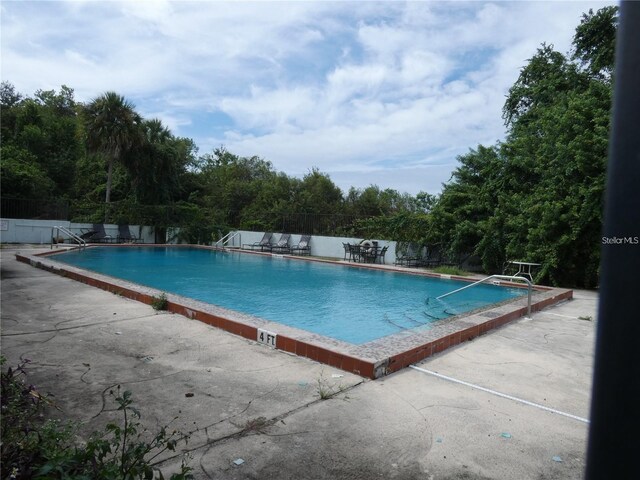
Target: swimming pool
x=260, y=279
x=348, y=304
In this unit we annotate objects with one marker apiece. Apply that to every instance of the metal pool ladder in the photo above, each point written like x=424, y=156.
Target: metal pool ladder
x=80, y=241
x=227, y=238
x=501, y=277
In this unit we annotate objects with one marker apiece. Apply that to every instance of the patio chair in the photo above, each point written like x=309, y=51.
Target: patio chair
x=303, y=247
x=282, y=245
x=87, y=233
x=347, y=251
x=369, y=251
x=125, y=235
x=262, y=244
x=410, y=258
x=355, y=252
x=97, y=234
x=433, y=258
x=381, y=254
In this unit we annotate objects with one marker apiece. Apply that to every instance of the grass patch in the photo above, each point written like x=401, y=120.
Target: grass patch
x=160, y=303
x=326, y=390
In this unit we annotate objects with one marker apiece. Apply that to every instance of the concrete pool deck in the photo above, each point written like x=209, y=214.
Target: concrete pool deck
x=263, y=405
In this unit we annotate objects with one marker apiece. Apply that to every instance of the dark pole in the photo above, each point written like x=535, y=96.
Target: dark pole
x=614, y=434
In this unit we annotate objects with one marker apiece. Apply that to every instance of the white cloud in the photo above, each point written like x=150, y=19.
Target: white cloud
x=370, y=92
x=271, y=110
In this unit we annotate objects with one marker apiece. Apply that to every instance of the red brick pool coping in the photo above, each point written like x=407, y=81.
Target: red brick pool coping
x=373, y=359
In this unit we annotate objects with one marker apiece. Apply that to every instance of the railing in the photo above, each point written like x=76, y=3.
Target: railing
x=328, y=224
x=31, y=209
x=227, y=238
x=80, y=241
x=501, y=277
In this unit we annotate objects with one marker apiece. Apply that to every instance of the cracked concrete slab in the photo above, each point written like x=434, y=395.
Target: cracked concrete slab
x=247, y=401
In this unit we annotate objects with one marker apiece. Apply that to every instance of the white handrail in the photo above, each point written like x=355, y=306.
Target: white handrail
x=501, y=277
x=80, y=241
x=227, y=238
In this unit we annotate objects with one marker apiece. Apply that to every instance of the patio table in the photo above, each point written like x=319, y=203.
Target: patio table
x=524, y=268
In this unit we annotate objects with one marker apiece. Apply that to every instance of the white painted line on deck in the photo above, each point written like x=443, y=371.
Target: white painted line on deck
x=503, y=395
x=558, y=315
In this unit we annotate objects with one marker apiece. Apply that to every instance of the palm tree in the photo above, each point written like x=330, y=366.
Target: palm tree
x=153, y=164
x=113, y=127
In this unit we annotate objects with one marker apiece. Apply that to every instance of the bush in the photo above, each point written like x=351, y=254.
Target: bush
x=160, y=303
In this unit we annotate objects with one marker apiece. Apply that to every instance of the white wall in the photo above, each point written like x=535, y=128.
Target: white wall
x=320, y=246
x=14, y=230
x=28, y=231
x=39, y=232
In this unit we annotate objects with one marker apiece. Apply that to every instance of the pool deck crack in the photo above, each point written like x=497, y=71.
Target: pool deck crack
x=246, y=429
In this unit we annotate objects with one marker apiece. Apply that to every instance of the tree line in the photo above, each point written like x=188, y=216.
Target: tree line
x=535, y=196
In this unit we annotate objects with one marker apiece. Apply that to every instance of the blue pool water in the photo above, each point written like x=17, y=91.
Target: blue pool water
x=350, y=304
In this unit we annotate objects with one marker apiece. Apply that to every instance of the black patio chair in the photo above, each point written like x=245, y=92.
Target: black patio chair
x=97, y=234
x=355, y=252
x=382, y=253
x=432, y=259
x=282, y=245
x=87, y=233
x=369, y=251
x=262, y=244
x=410, y=258
x=302, y=247
x=125, y=235
x=347, y=251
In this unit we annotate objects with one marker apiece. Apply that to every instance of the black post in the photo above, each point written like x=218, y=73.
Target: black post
x=614, y=434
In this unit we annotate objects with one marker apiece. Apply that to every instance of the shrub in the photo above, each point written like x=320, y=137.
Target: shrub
x=160, y=303
x=35, y=448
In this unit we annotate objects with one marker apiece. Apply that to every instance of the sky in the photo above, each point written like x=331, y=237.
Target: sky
x=380, y=93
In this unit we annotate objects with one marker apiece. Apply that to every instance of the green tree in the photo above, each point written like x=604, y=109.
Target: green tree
x=112, y=129
x=373, y=201
x=595, y=41
x=235, y=188
x=317, y=194
x=22, y=176
x=464, y=220
x=156, y=164
x=9, y=100
x=46, y=127
x=546, y=75
x=538, y=195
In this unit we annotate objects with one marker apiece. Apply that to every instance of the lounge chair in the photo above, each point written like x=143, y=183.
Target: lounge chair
x=97, y=234
x=303, y=247
x=411, y=257
x=434, y=258
x=262, y=244
x=87, y=233
x=282, y=245
x=124, y=234
x=430, y=261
